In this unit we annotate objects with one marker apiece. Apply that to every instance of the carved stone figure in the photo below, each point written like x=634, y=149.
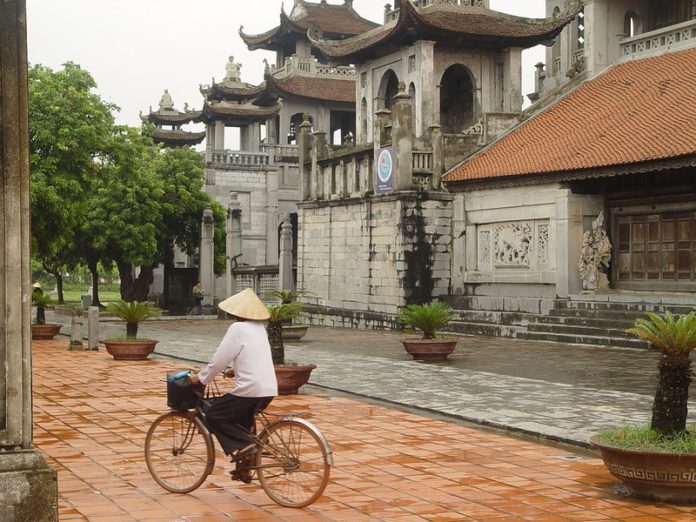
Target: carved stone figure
x=596, y=256
x=233, y=71
x=166, y=103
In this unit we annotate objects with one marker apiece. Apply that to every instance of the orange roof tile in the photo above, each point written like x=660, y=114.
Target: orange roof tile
x=635, y=112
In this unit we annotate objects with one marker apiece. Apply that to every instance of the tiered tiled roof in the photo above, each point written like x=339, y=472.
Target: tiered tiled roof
x=463, y=25
x=336, y=21
x=232, y=92
x=314, y=87
x=177, y=138
x=169, y=117
x=637, y=115
x=240, y=113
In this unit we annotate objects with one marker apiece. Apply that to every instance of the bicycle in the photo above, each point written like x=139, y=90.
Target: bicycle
x=292, y=461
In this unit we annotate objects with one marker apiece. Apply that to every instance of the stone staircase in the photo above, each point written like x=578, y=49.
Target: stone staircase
x=582, y=319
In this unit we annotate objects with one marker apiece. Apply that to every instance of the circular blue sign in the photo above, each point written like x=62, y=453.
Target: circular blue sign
x=384, y=165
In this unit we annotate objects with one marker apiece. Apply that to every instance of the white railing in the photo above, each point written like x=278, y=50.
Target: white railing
x=309, y=66
x=671, y=38
x=460, y=3
x=240, y=159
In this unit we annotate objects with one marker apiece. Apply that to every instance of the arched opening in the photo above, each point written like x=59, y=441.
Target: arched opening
x=412, y=95
x=632, y=24
x=556, y=49
x=456, y=99
x=294, y=130
x=388, y=88
x=363, y=121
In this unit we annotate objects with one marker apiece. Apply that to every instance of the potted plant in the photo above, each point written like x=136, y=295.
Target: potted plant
x=131, y=348
x=292, y=331
x=428, y=318
x=658, y=461
x=290, y=376
x=40, y=330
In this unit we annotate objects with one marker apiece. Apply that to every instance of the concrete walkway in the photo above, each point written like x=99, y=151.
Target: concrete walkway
x=556, y=391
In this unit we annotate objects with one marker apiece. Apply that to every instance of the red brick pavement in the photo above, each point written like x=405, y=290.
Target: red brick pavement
x=92, y=414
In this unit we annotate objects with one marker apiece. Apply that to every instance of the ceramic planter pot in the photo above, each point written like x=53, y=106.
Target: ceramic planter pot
x=429, y=349
x=44, y=331
x=130, y=350
x=291, y=378
x=653, y=475
x=294, y=332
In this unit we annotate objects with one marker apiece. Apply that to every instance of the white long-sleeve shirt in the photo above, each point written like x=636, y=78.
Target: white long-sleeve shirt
x=245, y=347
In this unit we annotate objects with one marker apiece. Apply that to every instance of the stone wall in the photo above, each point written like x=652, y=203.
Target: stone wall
x=365, y=258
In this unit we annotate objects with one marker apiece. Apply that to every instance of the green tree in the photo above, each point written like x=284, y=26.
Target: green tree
x=69, y=128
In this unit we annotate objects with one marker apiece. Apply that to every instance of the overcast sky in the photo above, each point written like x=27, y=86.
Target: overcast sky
x=137, y=48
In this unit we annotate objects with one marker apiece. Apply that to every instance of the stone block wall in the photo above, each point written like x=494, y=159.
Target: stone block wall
x=366, y=258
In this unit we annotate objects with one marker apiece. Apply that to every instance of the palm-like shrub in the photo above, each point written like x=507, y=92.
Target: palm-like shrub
x=279, y=315
x=428, y=318
x=288, y=296
x=675, y=337
x=133, y=313
x=41, y=302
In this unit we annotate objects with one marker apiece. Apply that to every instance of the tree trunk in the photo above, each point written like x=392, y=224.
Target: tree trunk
x=40, y=315
x=167, y=275
x=55, y=272
x=95, y=284
x=275, y=338
x=131, y=330
x=672, y=395
x=134, y=289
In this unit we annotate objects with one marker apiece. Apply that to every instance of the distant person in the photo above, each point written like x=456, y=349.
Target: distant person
x=197, y=302
x=36, y=290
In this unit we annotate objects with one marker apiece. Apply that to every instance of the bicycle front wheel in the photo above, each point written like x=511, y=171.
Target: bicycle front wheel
x=292, y=463
x=179, y=452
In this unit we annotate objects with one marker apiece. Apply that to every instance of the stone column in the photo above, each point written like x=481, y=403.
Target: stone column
x=317, y=154
x=271, y=217
x=305, y=142
x=285, y=279
x=207, y=257
x=233, y=245
x=219, y=135
x=512, y=80
x=402, y=140
x=438, y=155
x=255, y=139
x=568, y=243
x=209, y=141
x=28, y=487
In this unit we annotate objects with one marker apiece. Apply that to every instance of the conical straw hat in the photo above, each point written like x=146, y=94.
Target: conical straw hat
x=246, y=305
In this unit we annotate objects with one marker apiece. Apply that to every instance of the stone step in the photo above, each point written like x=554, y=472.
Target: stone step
x=485, y=328
x=592, y=322
x=614, y=315
x=494, y=317
x=583, y=339
x=567, y=329
x=638, y=308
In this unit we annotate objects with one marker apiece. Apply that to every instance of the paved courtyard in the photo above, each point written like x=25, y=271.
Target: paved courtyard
x=557, y=391
x=92, y=413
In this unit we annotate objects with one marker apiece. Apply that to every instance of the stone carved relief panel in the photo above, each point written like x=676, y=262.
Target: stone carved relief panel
x=484, y=248
x=542, y=244
x=512, y=244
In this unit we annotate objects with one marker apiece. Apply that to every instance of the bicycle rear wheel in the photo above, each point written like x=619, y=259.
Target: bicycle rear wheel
x=179, y=452
x=292, y=463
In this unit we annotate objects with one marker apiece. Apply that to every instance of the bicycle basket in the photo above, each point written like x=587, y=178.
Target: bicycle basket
x=180, y=392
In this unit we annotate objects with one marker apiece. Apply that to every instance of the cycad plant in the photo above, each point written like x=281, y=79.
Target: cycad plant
x=428, y=318
x=675, y=337
x=288, y=296
x=280, y=314
x=133, y=313
x=41, y=302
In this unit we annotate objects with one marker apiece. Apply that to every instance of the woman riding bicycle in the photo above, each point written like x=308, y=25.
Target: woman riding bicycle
x=246, y=349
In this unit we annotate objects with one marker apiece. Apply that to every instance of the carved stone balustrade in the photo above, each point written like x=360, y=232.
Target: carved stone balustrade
x=671, y=38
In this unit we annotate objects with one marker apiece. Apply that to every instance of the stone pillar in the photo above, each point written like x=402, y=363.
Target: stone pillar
x=427, y=87
x=271, y=217
x=438, y=155
x=305, y=142
x=285, y=279
x=283, y=127
x=219, y=135
x=568, y=243
x=28, y=487
x=317, y=154
x=207, y=257
x=512, y=80
x=75, y=344
x=209, y=142
x=255, y=139
x=233, y=245
x=402, y=140
x=93, y=328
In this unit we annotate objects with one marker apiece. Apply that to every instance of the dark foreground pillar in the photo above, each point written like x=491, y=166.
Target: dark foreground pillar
x=28, y=487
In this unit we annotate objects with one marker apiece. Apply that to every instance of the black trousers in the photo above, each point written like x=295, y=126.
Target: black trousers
x=231, y=418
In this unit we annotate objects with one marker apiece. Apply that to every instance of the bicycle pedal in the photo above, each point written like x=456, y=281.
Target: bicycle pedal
x=241, y=475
